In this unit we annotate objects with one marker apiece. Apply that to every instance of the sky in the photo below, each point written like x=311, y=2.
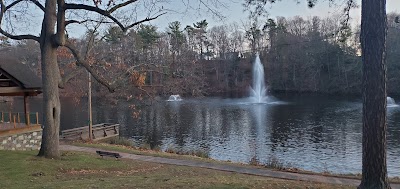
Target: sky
x=287, y=8
x=186, y=12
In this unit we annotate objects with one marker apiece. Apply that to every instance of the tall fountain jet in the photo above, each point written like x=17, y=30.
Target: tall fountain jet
x=258, y=90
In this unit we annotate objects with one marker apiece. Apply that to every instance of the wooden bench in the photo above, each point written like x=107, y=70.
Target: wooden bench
x=109, y=154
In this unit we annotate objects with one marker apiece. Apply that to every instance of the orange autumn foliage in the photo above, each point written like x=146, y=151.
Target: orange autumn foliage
x=138, y=79
x=72, y=65
x=64, y=53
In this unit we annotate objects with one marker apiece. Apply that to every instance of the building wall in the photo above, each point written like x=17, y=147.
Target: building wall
x=22, y=141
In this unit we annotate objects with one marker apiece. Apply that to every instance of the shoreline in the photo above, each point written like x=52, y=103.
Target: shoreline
x=156, y=153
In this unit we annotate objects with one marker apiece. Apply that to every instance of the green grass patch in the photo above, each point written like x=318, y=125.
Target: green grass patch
x=80, y=170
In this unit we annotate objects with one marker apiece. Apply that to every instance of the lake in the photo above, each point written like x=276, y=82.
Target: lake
x=311, y=132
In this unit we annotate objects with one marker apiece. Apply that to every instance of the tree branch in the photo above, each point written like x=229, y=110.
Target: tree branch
x=83, y=21
x=88, y=49
x=67, y=22
x=19, y=37
x=127, y=72
x=144, y=20
x=82, y=62
x=9, y=35
x=111, y=86
x=11, y=5
x=60, y=35
x=91, y=43
x=68, y=77
x=33, y=1
x=147, y=93
x=107, y=14
x=121, y=5
x=120, y=77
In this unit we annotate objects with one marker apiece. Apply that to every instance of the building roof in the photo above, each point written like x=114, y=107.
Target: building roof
x=21, y=76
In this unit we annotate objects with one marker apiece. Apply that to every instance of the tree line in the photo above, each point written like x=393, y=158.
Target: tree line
x=299, y=55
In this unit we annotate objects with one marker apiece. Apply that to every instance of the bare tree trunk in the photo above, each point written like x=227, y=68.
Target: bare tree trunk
x=51, y=78
x=373, y=44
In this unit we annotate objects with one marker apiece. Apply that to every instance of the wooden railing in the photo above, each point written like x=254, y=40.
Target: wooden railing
x=20, y=118
x=104, y=128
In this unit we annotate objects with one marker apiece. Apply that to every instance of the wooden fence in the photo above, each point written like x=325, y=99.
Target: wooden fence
x=18, y=118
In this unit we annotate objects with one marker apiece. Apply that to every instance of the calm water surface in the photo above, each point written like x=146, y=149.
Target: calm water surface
x=315, y=133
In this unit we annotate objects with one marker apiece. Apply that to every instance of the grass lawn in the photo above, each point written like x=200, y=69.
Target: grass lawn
x=134, y=150
x=80, y=170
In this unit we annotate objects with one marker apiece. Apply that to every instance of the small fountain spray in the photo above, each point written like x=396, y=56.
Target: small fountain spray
x=258, y=91
x=174, y=98
x=391, y=103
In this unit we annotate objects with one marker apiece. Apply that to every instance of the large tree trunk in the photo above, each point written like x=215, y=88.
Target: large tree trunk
x=51, y=78
x=373, y=44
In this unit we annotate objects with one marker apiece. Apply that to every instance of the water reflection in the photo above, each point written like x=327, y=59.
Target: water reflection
x=310, y=132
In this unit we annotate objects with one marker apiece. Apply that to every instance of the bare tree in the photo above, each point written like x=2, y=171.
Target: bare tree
x=236, y=38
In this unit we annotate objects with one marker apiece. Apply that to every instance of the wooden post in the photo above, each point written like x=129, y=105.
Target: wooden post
x=90, y=108
x=37, y=118
x=28, y=122
x=15, y=125
x=26, y=110
x=9, y=116
x=18, y=117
